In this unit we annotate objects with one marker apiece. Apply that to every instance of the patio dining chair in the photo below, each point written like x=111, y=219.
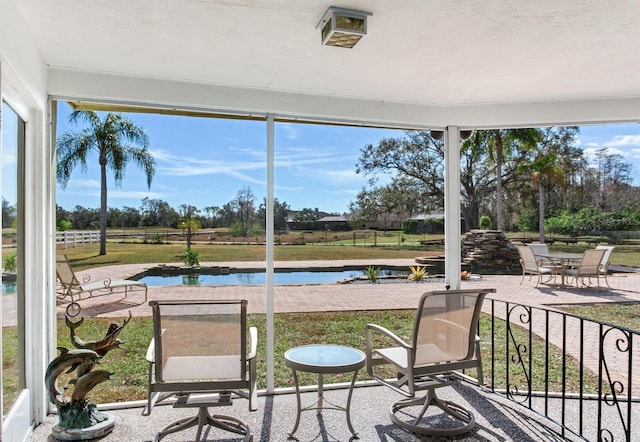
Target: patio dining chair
x=540, y=250
x=606, y=260
x=443, y=342
x=588, y=268
x=70, y=286
x=203, y=355
x=533, y=266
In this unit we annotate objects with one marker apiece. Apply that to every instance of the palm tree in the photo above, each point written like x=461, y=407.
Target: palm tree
x=109, y=139
x=502, y=142
x=546, y=167
x=188, y=222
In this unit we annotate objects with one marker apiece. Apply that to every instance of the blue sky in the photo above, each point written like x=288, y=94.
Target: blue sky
x=205, y=162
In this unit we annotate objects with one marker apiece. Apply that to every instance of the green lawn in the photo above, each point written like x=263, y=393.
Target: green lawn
x=137, y=253
x=347, y=328
x=621, y=314
x=388, y=247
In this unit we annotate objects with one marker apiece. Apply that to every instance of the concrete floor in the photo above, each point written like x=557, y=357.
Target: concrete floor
x=496, y=420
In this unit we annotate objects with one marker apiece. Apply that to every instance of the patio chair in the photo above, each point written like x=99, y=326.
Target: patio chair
x=531, y=265
x=589, y=268
x=540, y=250
x=70, y=286
x=202, y=355
x=443, y=341
x=604, y=264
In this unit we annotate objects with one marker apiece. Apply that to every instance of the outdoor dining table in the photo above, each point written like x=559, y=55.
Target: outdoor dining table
x=566, y=260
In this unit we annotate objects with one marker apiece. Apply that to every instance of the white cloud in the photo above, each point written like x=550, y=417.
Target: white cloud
x=289, y=129
x=343, y=176
x=624, y=140
x=591, y=153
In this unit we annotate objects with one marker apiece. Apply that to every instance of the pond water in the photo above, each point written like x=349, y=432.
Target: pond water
x=251, y=278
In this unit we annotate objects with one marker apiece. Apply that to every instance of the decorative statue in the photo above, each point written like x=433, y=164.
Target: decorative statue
x=78, y=418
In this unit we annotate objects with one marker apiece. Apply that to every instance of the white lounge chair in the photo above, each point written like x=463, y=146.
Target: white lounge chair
x=71, y=286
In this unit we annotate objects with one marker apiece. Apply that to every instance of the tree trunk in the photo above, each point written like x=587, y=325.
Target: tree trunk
x=499, y=222
x=103, y=209
x=541, y=209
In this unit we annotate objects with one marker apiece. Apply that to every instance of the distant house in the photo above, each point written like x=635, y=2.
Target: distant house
x=333, y=223
x=427, y=223
x=324, y=222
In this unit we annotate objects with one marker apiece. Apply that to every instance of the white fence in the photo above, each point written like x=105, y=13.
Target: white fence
x=72, y=239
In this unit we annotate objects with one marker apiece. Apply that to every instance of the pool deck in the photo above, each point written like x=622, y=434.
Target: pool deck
x=625, y=287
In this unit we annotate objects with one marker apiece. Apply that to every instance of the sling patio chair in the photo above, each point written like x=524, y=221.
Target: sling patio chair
x=606, y=260
x=443, y=342
x=202, y=355
x=540, y=250
x=70, y=286
x=532, y=265
x=589, y=268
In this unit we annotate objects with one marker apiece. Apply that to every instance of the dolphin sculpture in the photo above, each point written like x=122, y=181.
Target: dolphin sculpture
x=102, y=346
x=85, y=383
x=66, y=362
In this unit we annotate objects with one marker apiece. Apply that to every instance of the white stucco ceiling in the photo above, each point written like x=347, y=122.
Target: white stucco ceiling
x=435, y=52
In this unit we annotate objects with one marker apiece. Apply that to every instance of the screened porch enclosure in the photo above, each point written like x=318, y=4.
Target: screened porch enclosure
x=419, y=66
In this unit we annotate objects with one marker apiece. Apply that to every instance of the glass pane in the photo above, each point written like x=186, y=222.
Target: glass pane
x=12, y=355
x=350, y=23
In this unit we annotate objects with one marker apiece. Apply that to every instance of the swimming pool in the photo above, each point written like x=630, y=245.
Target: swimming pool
x=255, y=278
x=9, y=287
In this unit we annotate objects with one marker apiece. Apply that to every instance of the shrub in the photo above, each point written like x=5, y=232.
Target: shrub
x=372, y=273
x=10, y=263
x=64, y=225
x=191, y=258
x=485, y=222
x=418, y=273
x=410, y=227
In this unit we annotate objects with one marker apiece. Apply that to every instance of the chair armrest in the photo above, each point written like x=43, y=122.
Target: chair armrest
x=372, y=361
x=253, y=342
x=380, y=329
x=369, y=350
x=151, y=352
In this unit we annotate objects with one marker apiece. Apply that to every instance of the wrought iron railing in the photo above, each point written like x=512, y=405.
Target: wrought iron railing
x=581, y=374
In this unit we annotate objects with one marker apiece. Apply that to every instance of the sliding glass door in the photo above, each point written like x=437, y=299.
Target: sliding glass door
x=13, y=331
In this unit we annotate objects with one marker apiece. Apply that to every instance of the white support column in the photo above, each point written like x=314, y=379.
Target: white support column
x=270, y=255
x=452, y=247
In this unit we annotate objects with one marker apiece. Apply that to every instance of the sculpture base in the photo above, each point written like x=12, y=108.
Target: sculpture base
x=93, y=432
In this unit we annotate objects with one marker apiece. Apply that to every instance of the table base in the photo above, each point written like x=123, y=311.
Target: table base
x=319, y=404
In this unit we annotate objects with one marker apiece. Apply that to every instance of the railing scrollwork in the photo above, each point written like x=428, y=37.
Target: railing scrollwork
x=577, y=372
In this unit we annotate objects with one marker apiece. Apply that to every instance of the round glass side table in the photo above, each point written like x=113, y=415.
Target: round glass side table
x=324, y=359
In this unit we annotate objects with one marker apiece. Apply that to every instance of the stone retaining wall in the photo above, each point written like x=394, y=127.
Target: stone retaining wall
x=489, y=249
